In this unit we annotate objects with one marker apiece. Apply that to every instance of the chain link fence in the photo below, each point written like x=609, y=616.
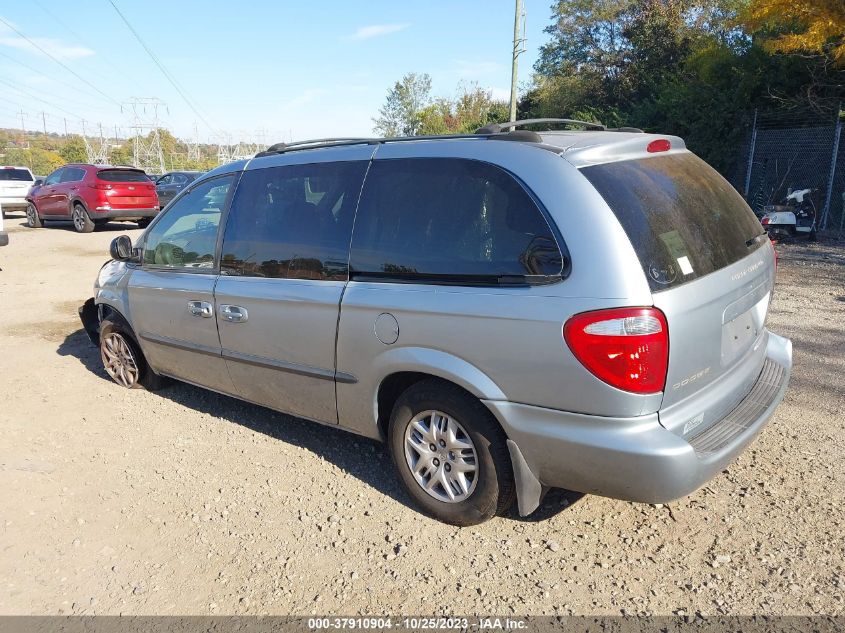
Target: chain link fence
x=786, y=152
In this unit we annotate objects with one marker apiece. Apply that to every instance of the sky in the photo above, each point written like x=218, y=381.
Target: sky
x=259, y=70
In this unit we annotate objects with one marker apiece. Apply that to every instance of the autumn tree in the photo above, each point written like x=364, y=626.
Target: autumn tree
x=800, y=26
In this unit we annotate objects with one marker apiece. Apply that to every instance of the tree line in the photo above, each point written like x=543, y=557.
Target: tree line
x=694, y=68
x=45, y=153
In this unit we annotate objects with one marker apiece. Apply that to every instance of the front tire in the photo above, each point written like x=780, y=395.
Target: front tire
x=450, y=453
x=81, y=222
x=123, y=359
x=32, y=219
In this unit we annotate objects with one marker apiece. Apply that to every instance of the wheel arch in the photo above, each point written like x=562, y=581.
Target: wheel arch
x=401, y=368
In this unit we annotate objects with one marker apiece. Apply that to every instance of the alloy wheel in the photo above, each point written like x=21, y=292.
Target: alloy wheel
x=119, y=360
x=31, y=216
x=78, y=217
x=441, y=456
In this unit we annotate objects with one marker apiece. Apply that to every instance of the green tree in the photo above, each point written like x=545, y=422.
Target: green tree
x=40, y=161
x=122, y=154
x=401, y=113
x=73, y=150
x=474, y=107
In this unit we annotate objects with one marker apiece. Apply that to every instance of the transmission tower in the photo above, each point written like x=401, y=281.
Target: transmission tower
x=194, y=147
x=147, y=153
x=97, y=150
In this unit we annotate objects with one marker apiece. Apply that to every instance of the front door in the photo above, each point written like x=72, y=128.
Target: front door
x=171, y=295
x=283, y=271
x=46, y=196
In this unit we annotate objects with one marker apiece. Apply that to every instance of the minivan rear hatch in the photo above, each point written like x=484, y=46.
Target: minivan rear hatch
x=711, y=271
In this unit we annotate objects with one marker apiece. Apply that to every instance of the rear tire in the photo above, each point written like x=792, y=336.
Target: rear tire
x=467, y=477
x=81, y=222
x=123, y=359
x=32, y=219
x=144, y=223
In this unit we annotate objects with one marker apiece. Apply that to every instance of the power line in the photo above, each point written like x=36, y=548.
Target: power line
x=60, y=63
x=82, y=104
x=32, y=96
x=76, y=35
x=161, y=67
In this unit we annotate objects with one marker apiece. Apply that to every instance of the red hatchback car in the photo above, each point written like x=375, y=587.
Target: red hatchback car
x=91, y=195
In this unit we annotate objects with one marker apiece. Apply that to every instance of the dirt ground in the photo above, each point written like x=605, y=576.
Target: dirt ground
x=187, y=502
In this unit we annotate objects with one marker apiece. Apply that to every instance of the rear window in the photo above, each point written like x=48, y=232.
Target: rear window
x=452, y=221
x=122, y=175
x=16, y=174
x=683, y=219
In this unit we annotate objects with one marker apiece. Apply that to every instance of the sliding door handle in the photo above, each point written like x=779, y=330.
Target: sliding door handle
x=233, y=314
x=201, y=309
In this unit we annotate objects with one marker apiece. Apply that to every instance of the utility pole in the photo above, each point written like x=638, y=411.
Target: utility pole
x=65, y=120
x=44, y=121
x=518, y=17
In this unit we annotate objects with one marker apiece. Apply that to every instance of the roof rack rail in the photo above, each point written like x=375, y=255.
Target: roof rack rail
x=279, y=148
x=496, y=128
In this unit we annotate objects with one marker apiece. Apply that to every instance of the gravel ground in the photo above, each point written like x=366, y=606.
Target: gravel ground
x=187, y=502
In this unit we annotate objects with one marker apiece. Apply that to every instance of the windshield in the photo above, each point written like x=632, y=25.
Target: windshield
x=683, y=219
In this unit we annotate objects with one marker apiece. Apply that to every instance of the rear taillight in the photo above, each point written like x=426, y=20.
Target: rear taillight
x=98, y=184
x=764, y=221
x=628, y=348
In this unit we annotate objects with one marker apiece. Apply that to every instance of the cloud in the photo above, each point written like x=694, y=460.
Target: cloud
x=56, y=48
x=377, y=30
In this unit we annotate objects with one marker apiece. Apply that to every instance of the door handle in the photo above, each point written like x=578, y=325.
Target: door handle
x=234, y=314
x=201, y=309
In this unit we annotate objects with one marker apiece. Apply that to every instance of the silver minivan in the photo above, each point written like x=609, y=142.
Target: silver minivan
x=509, y=310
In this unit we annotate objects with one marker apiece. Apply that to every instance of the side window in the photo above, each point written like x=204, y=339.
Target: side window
x=164, y=180
x=186, y=236
x=178, y=179
x=293, y=221
x=72, y=174
x=53, y=178
x=450, y=219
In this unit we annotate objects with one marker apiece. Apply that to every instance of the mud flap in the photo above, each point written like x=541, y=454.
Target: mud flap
x=529, y=491
x=89, y=315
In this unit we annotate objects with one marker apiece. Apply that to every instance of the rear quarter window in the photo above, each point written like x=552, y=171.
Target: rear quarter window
x=683, y=219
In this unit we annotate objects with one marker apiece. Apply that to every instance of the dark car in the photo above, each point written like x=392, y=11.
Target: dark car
x=170, y=184
x=92, y=195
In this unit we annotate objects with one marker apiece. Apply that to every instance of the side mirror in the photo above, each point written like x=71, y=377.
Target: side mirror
x=38, y=182
x=121, y=249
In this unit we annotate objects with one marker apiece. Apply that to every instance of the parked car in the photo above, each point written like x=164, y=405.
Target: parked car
x=170, y=184
x=92, y=195
x=584, y=310
x=14, y=184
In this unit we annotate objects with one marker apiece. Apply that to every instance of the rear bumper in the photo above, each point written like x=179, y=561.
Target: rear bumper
x=13, y=202
x=103, y=213
x=637, y=459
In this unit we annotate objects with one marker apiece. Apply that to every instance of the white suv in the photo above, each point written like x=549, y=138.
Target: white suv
x=15, y=182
